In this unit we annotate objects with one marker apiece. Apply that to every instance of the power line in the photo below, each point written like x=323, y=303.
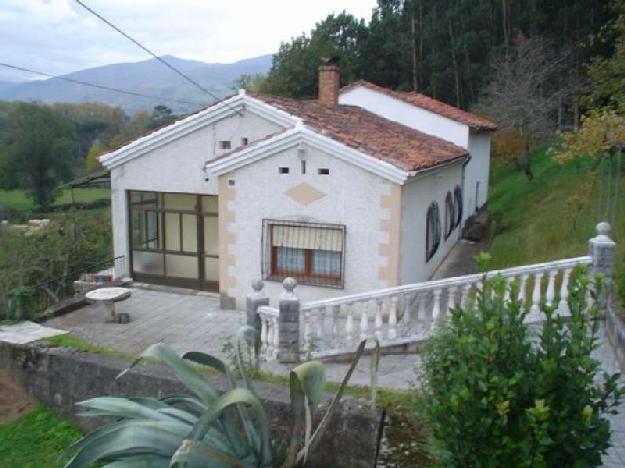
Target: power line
x=93, y=85
x=138, y=44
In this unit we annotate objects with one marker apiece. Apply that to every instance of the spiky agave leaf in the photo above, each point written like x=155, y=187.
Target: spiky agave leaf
x=259, y=419
x=192, y=454
x=138, y=461
x=156, y=438
x=188, y=376
x=124, y=408
x=253, y=440
x=306, y=384
x=325, y=420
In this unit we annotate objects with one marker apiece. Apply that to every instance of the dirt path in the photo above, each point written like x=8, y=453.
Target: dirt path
x=13, y=399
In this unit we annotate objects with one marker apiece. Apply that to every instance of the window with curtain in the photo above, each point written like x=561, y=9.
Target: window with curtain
x=433, y=231
x=311, y=253
x=458, y=205
x=450, y=216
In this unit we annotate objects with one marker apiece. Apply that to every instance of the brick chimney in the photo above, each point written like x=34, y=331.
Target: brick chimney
x=329, y=83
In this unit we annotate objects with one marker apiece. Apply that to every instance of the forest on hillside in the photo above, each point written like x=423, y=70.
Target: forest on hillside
x=443, y=48
x=533, y=66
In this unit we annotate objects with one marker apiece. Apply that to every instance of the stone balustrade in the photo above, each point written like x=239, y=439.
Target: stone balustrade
x=408, y=314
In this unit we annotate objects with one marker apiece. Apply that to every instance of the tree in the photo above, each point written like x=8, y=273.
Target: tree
x=39, y=154
x=252, y=83
x=294, y=68
x=525, y=92
x=161, y=115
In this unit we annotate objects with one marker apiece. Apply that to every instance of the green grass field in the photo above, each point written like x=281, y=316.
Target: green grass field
x=17, y=199
x=35, y=440
x=538, y=220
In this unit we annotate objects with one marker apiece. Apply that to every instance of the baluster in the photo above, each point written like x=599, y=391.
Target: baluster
x=349, y=326
x=534, y=314
x=392, y=319
x=270, y=332
x=464, y=301
x=451, y=298
x=307, y=334
x=563, y=306
x=506, y=293
x=436, y=306
x=276, y=336
x=263, y=335
x=336, y=311
x=522, y=287
x=321, y=327
x=406, y=319
x=364, y=321
x=422, y=300
x=379, y=305
x=551, y=287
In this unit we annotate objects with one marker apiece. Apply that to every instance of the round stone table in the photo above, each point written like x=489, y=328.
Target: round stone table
x=108, y=297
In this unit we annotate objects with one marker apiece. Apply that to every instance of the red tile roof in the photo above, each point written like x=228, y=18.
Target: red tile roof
x=357, y=128
x=426, y=102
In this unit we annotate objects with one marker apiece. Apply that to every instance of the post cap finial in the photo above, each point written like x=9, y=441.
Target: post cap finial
x=603, y=228
x=289, y=284
x=257, y=285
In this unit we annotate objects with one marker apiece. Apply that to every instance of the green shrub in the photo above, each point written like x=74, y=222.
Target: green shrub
x=497, y=394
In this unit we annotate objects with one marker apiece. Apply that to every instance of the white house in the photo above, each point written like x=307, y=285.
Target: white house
x=363, y=188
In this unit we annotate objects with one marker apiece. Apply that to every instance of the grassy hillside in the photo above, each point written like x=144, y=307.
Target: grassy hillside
x=35, y=439
x=17, y=199
x=549, y=217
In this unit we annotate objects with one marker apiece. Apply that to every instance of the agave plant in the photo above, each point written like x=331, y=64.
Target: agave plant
x=207, y=429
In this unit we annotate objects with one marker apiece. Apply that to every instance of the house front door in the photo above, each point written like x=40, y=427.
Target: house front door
x=173, y=239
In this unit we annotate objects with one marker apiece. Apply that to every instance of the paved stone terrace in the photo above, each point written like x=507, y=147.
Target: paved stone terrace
x=194, y=322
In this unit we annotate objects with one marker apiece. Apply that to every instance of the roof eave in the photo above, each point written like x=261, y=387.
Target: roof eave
x=282, y=141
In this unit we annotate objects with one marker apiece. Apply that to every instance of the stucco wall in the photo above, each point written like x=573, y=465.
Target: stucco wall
x=477, y=171
x=417, y=195
x=178, y=166
x=407, y=114
x=353, y=197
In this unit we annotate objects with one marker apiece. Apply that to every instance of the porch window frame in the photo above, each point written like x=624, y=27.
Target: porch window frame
x=269, y=256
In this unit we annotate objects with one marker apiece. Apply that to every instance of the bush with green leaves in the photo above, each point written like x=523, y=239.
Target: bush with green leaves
x=207, y=429
x=497, y=392
x=38, y=267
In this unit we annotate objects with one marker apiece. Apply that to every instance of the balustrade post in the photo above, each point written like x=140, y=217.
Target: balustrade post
x=451, y=299
x=349, y=325
x=392, y=319
x=364, y=321
x=253, y=302
x=436, y=306
x=288, y=323
x=534, y=315
x=602, y=250
x=551, y=284
x=563, y=305
x=379, y=305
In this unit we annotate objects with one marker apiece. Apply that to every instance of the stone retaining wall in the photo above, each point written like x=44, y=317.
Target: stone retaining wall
x=59, y=378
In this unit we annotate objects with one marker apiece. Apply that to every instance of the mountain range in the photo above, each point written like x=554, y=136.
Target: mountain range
x=149, y=77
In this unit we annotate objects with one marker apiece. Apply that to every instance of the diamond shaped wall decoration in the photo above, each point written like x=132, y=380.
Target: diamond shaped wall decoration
x=304, y=193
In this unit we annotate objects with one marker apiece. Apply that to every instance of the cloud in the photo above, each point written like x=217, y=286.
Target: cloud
x=59, y=36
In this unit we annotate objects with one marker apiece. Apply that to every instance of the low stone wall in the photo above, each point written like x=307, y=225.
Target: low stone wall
x=59, y=378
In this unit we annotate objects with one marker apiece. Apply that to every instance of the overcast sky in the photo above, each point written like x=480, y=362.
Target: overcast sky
x=59, y=36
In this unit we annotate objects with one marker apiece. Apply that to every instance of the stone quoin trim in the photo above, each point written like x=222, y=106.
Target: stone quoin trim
x=227, y=239
x=389, y=227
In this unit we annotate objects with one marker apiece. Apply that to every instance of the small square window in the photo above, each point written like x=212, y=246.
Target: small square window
x=244, y=141
x=225, y=144
x=283, y=170
x=324, y=171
